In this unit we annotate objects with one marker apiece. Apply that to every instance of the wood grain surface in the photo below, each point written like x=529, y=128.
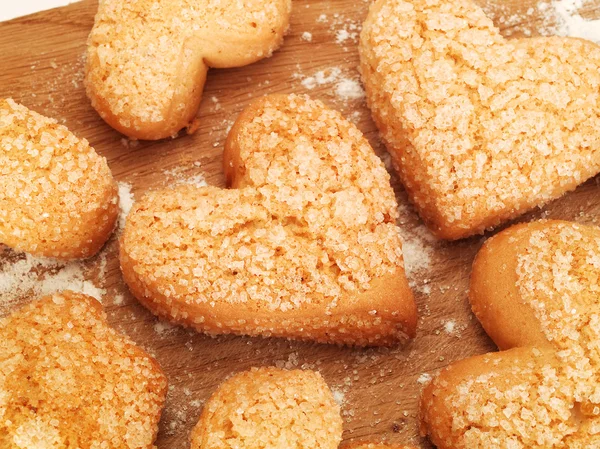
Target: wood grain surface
x=42, y=67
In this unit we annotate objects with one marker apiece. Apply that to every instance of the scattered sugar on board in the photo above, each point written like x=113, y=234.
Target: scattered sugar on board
x=424, y=379
x=216, y=104
x=178, y=176
x=345, y=30
x=196, y=180
x=53, y=94
x=557, y=18
x=69, y=277
x=345, y=88
x=341, y=36
x=178, y=415
x=321, y=77
x=417, y=249
x=452, y=327
x=24, y=275
x=291, y=362
x=29, y=275
x=570, y=22
x=306, y=36
x=449, y=326
x=418, y=244
x=338, y=396
x=126, y=201
x=130, y=143
x=162, y=328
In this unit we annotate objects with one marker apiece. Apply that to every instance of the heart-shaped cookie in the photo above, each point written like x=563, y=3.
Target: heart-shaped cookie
x=147, y=60
x=304, y=246
x=270, y=408
x=481, y=129
x=57, y=196
x=68, y=380
x=535, y=288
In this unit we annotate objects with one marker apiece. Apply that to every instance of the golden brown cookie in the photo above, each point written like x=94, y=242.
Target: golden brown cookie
x=68, y=380
x=270, y=408
x=147, y=60
x=480, y=128
x=535, y=288
x=305, y=245
x=57, y=196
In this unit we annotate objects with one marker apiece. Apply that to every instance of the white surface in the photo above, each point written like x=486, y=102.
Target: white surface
x=572, y=24
x=9, y=9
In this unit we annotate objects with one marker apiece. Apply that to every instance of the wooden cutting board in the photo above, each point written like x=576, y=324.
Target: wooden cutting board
x=42, y=67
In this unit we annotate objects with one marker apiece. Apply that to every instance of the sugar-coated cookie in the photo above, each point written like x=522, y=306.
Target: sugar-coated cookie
x=147, y=60
x=305, y=245
x=57, y=196
x=535, y=288
x=270, y=408
x=68, y=380
x=480, y=128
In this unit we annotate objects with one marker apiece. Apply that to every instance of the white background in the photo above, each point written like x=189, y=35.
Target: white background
x=9, y=9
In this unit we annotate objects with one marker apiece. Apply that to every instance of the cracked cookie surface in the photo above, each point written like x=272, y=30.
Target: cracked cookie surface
x=270, y=408
x=69, y=380
x=304, y=246
x=480, y=128
x=534, y=289
x=57, y=195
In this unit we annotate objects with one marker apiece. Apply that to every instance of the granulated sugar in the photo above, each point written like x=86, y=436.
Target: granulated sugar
x=345, y=87
x=33, y=276
x=338, y=396
x=557, y=18
x=125, y=202
x=349, y=89
x=195, y=180
x=343, y=35
x=450, y=326
x=417, y=253
x=424, y=379
x=570, y=22
x=344, y=30
x=327, y=76
x=162, y=328
x=180, y=176
x=23, y=275
x=418, y=249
